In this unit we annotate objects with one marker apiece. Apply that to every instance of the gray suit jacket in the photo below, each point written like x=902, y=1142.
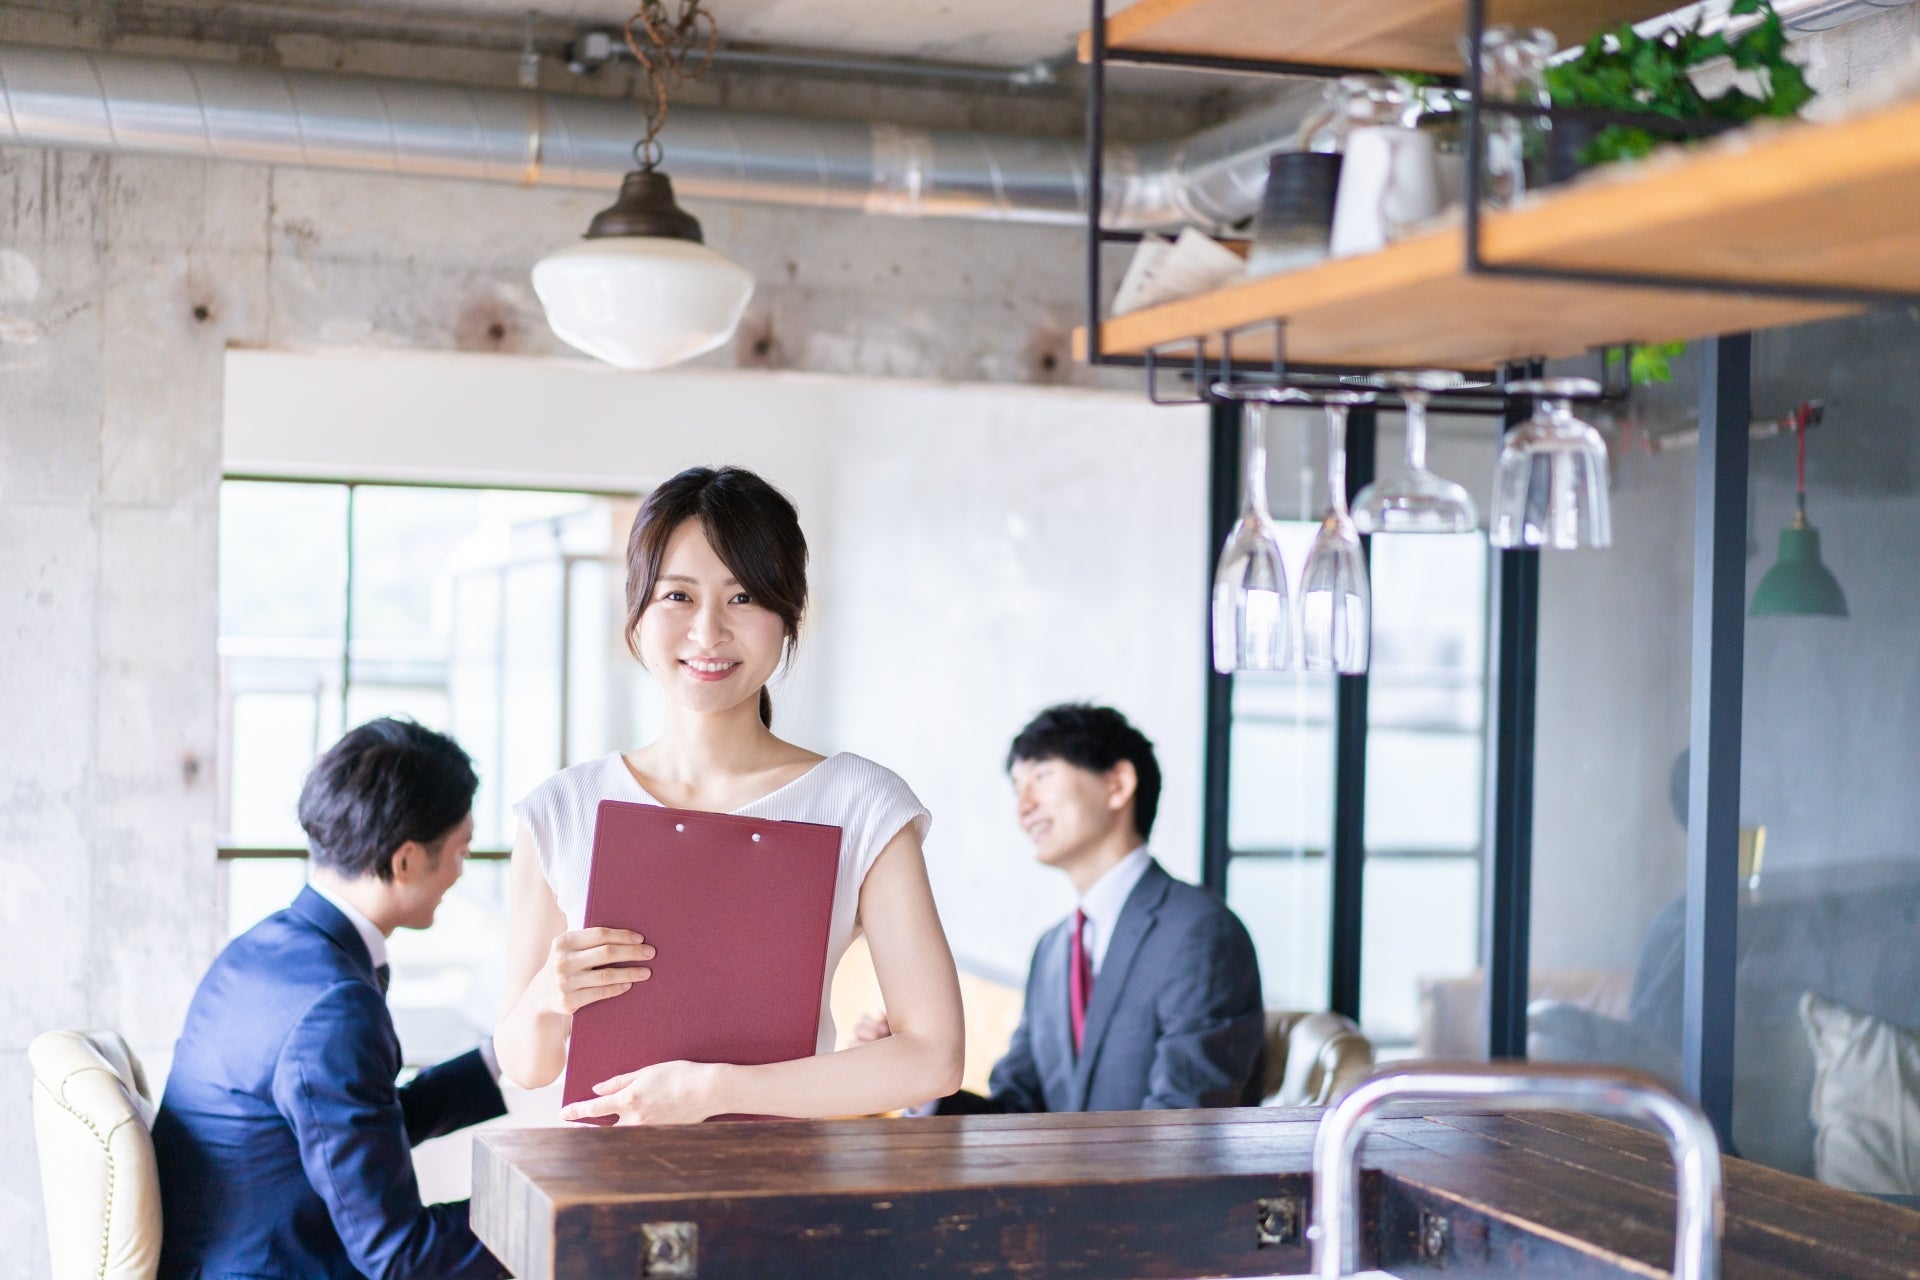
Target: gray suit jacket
x=1175, y=1020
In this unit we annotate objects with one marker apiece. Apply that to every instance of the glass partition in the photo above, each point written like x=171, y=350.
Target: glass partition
x=1614, y=679
x=1827, y=1010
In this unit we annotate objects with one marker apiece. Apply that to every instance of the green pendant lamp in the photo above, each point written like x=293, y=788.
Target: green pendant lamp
x=1798, y=585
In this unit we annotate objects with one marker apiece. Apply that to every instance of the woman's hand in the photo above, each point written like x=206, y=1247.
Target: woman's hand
x=579, y=969
x=665, y=1093
x=871, y=1027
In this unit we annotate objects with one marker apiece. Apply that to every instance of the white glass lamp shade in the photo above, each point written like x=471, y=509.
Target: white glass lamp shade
x=642, y=302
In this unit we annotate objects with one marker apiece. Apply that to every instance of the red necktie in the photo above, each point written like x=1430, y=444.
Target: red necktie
x=1079, y=979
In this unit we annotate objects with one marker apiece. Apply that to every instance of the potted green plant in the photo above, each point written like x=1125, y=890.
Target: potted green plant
x=1625, y=72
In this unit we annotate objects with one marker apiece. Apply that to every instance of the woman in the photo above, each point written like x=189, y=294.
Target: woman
x=716, y=585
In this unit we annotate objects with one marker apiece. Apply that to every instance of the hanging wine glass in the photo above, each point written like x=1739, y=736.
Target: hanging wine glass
x=1418, y=501
x=1251, y=627
x=1336, y=603
x=1550, y=489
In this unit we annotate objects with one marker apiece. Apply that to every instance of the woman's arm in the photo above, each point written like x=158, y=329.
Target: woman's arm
x=551, y=973
x=922, y=1059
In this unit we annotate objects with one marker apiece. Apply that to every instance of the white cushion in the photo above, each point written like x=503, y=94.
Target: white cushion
x=1866, y=1099
x=92, y=1121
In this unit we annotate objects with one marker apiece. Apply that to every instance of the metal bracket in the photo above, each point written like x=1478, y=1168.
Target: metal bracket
x=1277, y=1221
x=1435, y=1234
x=670, y=1250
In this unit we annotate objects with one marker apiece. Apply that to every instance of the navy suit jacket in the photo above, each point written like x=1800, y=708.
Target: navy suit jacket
x=1175, y=1019
x=284, y=1145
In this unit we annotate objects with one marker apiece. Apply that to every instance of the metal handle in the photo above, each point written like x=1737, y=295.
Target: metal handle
x=1335, y=1232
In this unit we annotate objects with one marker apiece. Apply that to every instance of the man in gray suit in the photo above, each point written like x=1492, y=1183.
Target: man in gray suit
x=1148, y=995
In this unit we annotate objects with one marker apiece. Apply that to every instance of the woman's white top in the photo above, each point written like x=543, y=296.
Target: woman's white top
x=869, y=803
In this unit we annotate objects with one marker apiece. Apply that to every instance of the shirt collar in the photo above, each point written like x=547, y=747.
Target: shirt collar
x=1104, y=899
x=368, y=931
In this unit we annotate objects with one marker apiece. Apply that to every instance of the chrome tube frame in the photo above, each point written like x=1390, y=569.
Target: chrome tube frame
x=1335, y=1233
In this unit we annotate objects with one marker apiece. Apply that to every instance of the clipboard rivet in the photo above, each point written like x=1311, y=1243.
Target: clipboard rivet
x=756, y=837
x=679, y=826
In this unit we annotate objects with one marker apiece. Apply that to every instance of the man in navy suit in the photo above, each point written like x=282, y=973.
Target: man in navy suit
x=1148, y=995
x=284, y=1145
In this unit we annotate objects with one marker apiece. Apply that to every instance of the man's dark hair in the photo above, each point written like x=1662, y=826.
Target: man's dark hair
x=383, y=784
x=1095, y=739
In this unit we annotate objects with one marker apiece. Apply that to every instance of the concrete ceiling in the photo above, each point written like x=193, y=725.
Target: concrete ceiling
x=1009, y=32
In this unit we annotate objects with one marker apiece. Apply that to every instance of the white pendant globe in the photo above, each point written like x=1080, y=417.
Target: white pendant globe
x=642, y=302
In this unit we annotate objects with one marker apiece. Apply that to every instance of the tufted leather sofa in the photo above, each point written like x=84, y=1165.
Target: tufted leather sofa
x=92, y=1120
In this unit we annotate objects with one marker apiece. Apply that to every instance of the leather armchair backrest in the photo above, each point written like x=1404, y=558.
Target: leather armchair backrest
x=92, y=1121
x=1313, y=1059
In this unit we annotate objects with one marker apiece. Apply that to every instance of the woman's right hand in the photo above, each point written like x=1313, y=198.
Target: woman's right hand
x=580, y=968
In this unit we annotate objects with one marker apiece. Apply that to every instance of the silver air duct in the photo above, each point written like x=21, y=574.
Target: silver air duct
x=211, y=111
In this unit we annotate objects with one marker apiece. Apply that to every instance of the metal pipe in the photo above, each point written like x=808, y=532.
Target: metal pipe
x=595, y=49
x=1335, y=1233
x=70, y=98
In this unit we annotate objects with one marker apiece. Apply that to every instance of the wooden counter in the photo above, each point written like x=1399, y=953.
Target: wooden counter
x=1138, y=1195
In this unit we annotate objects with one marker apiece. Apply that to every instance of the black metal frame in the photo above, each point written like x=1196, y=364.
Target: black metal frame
x=1223, y=502
x=1348, y=854
x=1718, y=621
x=1476, y=259
x=1475, y=262
x=1507, y=889
x=1713, y=790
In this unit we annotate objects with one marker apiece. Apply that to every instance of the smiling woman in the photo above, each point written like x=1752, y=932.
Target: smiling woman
x=716, y=589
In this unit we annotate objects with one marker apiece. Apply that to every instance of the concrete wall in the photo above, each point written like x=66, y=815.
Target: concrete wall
x=122, y=285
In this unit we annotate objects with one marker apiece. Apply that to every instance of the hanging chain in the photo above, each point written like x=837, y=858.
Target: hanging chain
x=671, y=43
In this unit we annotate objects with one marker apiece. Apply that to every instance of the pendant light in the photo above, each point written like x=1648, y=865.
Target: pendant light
x=1799, y=585
x=641, y=290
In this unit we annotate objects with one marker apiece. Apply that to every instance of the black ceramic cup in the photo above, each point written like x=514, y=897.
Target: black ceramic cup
x=1296, y=211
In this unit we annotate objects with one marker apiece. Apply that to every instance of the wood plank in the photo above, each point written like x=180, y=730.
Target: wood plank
x=1879, y=1232
x=1640, y=1187
x=574, y=1166
x=1412, y=35
x=1804, y=204
x=1625, y=1228
x=1147, y=1196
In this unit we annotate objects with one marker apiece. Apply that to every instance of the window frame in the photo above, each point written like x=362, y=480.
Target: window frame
x=230, y=851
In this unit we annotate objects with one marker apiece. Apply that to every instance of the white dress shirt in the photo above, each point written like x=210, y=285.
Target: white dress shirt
x=369, y=932
x=1104, y=900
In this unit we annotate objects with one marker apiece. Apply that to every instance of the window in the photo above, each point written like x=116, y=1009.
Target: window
x=1425, y=754
x=491, y=615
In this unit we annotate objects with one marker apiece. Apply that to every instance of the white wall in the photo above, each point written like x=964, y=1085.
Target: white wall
x=978, y=552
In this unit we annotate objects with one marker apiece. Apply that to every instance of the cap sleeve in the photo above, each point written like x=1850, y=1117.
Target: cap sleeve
x=552, y=813
x=884, y=806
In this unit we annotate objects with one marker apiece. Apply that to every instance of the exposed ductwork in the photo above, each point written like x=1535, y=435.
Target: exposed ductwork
x=214, y=111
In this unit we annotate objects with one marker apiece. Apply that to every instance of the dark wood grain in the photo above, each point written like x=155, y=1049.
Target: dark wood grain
x=1143, y=1195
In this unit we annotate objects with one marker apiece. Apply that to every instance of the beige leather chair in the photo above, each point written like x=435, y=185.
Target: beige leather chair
x=92, y=1120
x=1313, y=1059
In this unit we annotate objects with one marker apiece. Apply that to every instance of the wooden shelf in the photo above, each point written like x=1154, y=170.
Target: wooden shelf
x=1409, y=35
x=1811, y=204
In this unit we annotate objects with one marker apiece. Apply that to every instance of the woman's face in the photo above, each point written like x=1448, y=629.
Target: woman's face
x=702, y=636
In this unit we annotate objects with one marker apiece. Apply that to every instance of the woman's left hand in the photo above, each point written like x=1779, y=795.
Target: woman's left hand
x=665, y=1093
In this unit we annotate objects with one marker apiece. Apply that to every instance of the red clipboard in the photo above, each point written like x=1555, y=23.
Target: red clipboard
x=738, y=911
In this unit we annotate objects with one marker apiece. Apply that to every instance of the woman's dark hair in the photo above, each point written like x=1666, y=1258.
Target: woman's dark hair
x=750, y=525
x=385, y=783
x=1095, y=739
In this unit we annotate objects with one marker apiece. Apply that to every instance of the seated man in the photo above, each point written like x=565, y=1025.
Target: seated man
x=283, y=1143
x=1148, y=995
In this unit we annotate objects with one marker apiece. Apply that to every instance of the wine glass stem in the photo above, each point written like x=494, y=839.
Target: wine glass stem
x=1337, y=459
x=1253, y=454
x=1416, y=428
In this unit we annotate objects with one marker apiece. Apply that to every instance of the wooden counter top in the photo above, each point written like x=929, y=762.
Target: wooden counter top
x=1157, y=1194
